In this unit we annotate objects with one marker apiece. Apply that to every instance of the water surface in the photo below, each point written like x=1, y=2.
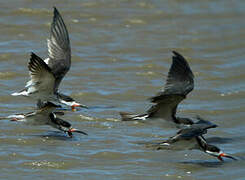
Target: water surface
x=121, y=53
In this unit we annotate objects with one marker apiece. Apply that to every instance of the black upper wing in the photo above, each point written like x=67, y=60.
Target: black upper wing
x=59, y=51
x=180, y=82
x=196, y=129
x=192, y=131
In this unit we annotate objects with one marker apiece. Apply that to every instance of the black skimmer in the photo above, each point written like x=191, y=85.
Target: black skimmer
x=180, y=82
x=191, y=137
x=46, y=75
x=46, y=115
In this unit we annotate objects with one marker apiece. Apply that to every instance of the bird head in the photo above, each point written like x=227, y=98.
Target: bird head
x=75, y=104
x=216, y=152
x=71, y=130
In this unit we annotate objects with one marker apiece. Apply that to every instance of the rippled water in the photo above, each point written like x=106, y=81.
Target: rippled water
x=121, y=53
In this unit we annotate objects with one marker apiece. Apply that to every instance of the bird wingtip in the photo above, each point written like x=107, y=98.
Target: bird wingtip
x=55, y=9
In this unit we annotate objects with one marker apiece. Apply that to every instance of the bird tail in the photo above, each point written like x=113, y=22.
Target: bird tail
x=13, y=117
x=133, y=117
x=21, y=93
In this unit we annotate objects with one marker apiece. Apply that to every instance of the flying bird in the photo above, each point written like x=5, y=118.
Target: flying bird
x=46, y=75
x=180, y=82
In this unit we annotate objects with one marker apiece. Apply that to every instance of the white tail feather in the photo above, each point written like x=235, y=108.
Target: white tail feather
x=142, y=118
x=17, y=116
x=22, y=93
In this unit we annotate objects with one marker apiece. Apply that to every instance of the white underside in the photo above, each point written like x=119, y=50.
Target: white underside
x=33, y=93
x=22, y=93
x=68, y=103
x=213, y=153
x=39, y=87
x=17, y=116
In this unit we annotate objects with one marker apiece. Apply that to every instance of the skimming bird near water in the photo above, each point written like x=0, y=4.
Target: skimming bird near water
x=45, y=115
x=191, y=137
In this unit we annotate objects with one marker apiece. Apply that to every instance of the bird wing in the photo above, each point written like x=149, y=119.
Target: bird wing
x=206, y=122
x=42, y=79
x=59, y=122
x=166, y=107
x=47, y=108
x=193, y=131
x=196, y=129
x=180, y=82
x=180, y=78
x=59, y=51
